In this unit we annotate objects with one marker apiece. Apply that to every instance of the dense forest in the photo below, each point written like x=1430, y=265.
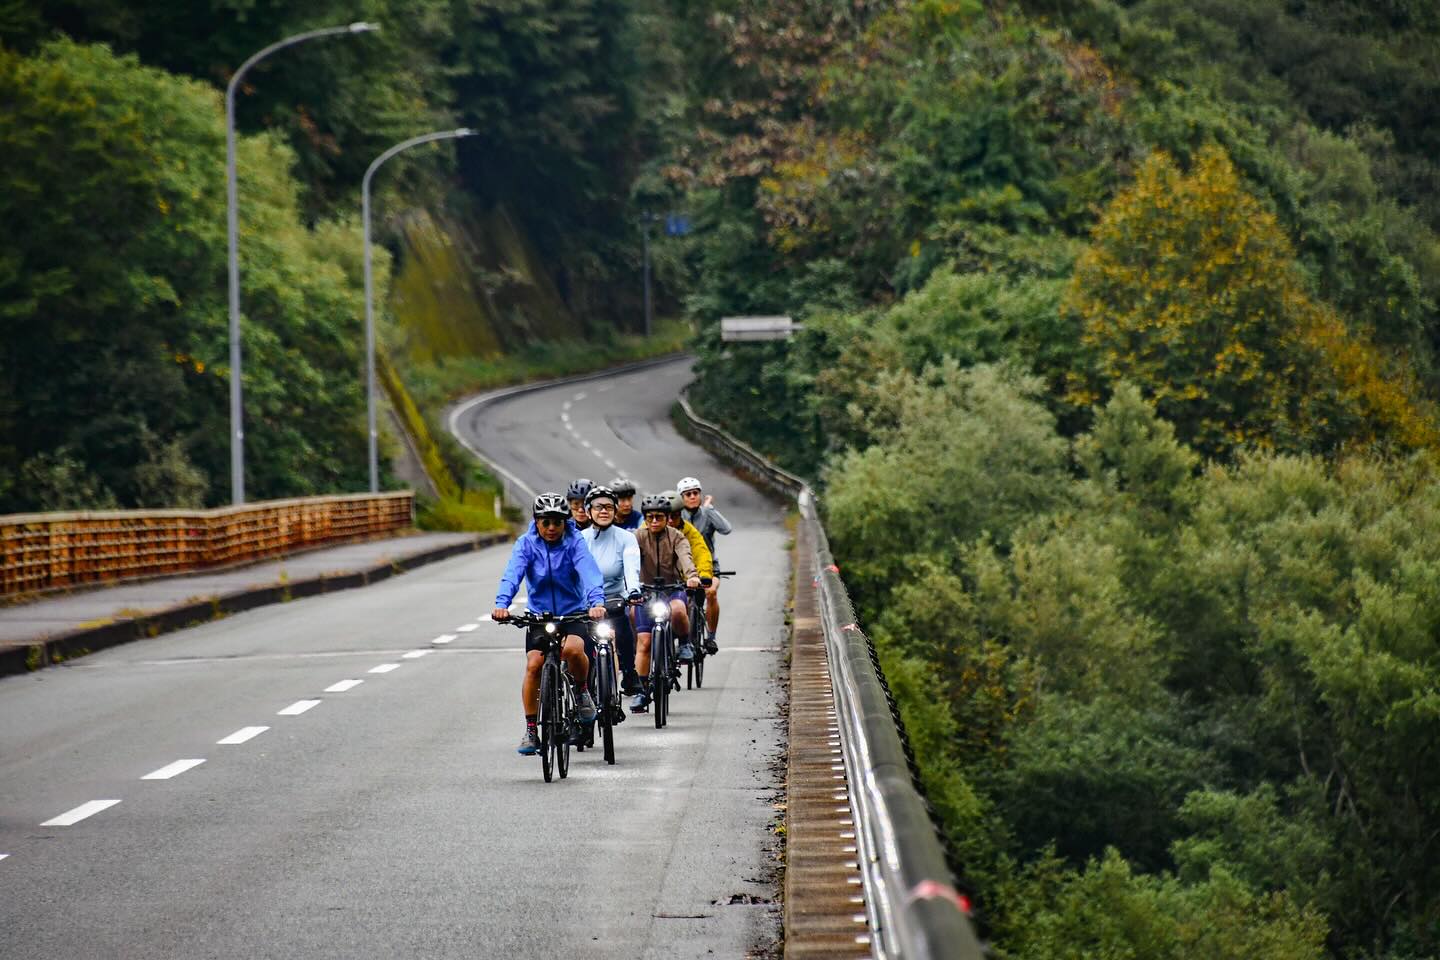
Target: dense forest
x=113, y=318
x=1119, y=370
x=1119, y=373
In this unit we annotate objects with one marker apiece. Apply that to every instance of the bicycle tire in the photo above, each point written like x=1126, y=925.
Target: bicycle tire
x=605, y=687
x=566, y=724
x=660, y=681
x=547, y=721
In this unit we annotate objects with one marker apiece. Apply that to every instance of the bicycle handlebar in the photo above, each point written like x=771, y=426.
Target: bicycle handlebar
x=529, y=619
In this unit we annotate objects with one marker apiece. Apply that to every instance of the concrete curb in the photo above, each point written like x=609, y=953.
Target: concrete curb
x=24, y=658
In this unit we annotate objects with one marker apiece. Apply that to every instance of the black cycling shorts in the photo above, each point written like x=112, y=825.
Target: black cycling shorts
x=536, y=635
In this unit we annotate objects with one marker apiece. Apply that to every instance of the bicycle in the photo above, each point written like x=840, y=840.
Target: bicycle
x=663, y=650
x=605, y=683
x=695, y=668
x=559, y=714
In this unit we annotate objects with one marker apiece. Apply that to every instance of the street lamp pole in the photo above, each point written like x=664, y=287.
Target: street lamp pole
x=645, y=220
x=237, y=427
x=370, y=287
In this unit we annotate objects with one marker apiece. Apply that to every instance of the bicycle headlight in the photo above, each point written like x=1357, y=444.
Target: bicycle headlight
x=550, y=628
x=604, y=631
x=659, y=609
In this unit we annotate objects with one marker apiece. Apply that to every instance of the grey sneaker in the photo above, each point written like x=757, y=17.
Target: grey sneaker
x=529, y=744
x=687, y=653
x=641, y=702
x=586, y=706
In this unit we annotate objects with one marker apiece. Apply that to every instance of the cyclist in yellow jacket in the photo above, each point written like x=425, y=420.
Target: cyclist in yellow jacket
x=699, y=552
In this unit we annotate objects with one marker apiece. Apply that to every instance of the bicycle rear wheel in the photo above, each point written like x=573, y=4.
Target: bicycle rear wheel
x=549, y=674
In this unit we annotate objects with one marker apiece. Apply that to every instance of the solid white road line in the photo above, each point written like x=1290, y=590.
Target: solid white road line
x=385, y=668
x=297, y=708
x=243, y=734
x=467, y=628
x=444, y=638
x=172, y=770
x=72, y=817
x=343, y=685
x=415, y=654
x=4, y=856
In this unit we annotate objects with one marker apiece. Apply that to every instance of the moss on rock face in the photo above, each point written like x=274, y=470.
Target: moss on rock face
x=473, y=288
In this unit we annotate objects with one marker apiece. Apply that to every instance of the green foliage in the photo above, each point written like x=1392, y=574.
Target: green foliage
x=111, y=302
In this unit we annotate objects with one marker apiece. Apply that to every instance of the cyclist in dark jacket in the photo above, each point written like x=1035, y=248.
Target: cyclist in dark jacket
x=562, y=578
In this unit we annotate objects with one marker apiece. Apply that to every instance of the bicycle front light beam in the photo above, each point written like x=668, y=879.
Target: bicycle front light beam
x=659, y=610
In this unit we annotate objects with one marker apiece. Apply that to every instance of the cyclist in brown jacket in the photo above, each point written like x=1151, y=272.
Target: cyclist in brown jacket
x=664, y=555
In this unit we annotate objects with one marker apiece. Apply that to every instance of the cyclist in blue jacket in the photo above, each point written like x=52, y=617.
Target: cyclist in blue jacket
x=562, y=579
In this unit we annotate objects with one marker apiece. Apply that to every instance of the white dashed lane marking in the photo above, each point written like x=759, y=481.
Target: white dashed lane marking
x=4, y=856
x=580, y=396
x=172, y=770
x=343, y=685
x=243, y=734
x=415, y=654
x=297, y=708
x=71, y=817
x=385, y=668
x=444, y=638
x=467, y=628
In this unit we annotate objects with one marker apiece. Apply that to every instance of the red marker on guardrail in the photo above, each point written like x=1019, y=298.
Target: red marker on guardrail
x=935, y=890
x=833, y=568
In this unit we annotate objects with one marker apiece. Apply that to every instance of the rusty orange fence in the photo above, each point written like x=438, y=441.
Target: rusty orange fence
x=46, y=551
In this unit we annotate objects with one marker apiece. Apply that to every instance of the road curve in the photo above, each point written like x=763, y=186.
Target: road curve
x=391, y=818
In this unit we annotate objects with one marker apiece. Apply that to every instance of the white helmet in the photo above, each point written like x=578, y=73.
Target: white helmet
x=688, y=483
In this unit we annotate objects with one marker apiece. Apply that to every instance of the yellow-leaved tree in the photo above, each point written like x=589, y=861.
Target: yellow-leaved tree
x=1191, y=290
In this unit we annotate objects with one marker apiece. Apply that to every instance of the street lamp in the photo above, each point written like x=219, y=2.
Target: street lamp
x=237, y=428
x=370, y=286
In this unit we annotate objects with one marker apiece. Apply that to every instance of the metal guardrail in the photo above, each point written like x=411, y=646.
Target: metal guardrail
x=49, y=551
x=914, y=909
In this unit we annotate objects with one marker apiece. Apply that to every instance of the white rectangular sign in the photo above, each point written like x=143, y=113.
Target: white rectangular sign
x=757, y=328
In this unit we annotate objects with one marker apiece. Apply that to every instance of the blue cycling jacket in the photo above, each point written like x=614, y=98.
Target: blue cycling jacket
x=562, y=579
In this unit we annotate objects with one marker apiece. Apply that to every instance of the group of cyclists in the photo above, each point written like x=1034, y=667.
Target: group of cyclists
x=592, y=548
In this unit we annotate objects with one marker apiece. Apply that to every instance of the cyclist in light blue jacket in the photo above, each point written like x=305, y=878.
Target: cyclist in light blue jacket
x=617, y=554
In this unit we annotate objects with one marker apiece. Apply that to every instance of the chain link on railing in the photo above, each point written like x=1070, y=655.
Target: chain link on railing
x=917, y=913
x=51, y=551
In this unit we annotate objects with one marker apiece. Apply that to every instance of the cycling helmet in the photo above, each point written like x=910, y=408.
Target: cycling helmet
x=676, y=504
x=655, y=502
x=550, y=504
x=597, y=493
x=688, y=483
x=622, y=487
x=578, y=489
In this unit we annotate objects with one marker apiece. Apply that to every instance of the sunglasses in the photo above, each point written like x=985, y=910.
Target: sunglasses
x=689, y=493
x=549, y=522
x=657, y=518
x=601, y=505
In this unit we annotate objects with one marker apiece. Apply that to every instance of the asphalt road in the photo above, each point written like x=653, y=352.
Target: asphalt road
x=391, y=817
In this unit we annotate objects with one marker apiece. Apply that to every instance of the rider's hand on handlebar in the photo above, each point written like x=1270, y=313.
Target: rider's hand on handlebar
x=500, y=613
x=693, y=582
x=597, y=612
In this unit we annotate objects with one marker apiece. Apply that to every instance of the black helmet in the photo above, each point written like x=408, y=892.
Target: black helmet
x=550, y=504
x=654, y=502
x=622, y=487
x=599, y=493
x=578, y=489
x=676, y=504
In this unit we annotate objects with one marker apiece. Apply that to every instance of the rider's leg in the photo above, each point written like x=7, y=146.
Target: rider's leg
x=642, y=654
x=530, y=686
x=712, y=607
x=679, y=618
x=574, y=653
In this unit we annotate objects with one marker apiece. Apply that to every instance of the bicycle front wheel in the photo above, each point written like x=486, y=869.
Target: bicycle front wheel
x=549, y=678
x=568, y=722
